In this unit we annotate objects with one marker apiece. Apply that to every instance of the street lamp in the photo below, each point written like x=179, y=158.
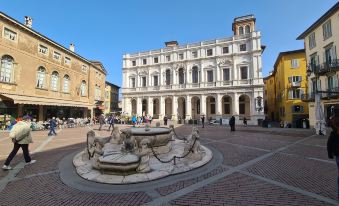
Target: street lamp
x=320, y=126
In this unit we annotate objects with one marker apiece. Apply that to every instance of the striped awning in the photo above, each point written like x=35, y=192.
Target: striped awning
x=23, y=99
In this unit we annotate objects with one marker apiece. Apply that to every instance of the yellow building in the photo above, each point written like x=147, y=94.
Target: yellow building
x=287, y=84
x=111, y=98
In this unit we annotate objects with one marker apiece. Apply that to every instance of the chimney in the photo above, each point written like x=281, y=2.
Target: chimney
x=71, y=47
x=171, y=43
x=28, y=21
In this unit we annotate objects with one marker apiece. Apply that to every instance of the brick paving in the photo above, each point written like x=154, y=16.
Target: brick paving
x=273, y=154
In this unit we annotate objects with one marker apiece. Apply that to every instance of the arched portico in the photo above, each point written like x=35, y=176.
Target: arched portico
x=226, y=104
x=134, y=106
x=210, y=107
x=144, y=107
x=181, y=108
x=156, y=108
x=168, y=107
x=244, y=106
x=195, y=105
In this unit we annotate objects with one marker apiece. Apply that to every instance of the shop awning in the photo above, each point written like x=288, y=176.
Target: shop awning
x=22, y=99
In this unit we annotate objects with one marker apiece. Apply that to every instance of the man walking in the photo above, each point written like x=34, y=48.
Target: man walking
x=232, y=123
x=203, y=121
x=111, y=122
x=52, y=126
x=333, y=145
x=101, y=121
x=21, y=137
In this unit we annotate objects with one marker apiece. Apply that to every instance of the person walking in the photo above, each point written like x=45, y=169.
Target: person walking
x=203, y=121
x=101, y=121
x=232, y=123
x=245, y=122
x=111, y=123
x=21, y=137
x=165, y=120
x=333, y=145
x=52, y=126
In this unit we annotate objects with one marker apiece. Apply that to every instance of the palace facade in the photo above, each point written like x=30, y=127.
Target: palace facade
x=217, y=78
x=41, y=78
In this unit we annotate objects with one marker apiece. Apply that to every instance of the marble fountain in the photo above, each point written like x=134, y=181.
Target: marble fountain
x=141, y=154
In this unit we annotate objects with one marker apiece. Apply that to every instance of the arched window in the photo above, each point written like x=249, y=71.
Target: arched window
x=7, y=71
x=83, y=88
x=168, y=77
x=54, y=81
x=65, y=87
x=41, y=78
x=241, y=30
x=181, y=76
x=195, y=75
x=247, y=29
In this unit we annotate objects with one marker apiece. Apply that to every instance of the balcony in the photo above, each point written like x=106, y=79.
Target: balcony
x=309, y=97
x=332, y=93
x=156, y=88
x=325, y=67
x=295, y=84
x=227, y=82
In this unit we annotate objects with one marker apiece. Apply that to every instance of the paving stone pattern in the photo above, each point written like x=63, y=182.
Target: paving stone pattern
x=260, y=166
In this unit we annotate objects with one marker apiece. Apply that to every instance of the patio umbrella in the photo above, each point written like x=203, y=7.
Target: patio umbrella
x=319, y=117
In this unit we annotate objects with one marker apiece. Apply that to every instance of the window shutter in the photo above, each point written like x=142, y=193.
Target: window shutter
x=289, y=79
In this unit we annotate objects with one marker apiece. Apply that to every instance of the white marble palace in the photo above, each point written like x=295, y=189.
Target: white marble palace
x=216, y=78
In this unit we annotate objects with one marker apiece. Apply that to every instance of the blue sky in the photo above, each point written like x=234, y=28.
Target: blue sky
x=105, y=30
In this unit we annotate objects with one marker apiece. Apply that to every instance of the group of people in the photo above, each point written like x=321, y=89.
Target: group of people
x=110, y=120
x=141, y=119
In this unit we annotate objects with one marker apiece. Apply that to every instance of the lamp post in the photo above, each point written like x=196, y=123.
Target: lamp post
x=319, y=126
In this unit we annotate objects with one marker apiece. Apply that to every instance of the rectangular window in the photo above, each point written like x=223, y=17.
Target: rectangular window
x=43, y=49
x=243, y=73
x=225, y=50
x=294, y=63
x=168, y=58
x=226, y=74
x=294, y=79
x=311, y=40
x=210, y=76
x=242, y=47
x=181, y=56
x=67, y=60
x=56, y=56
x=133, y=82
x=155, y=80
x=209, y=52
x=143, y=81
x=9, y=34
x=295, y=93
x=144, y=61
x=156, y=60
x=194, y=54
x=327, y=30
x=84, y=68
x=134, y=63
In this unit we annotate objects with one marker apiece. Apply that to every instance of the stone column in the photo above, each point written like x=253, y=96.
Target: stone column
x=203, y=105
x=218, y=105
x=150, y=106
x=236, y=106
x=41, y=113
x=139, y=106
x=174, y=108
x=188, y=108
x=162, y=105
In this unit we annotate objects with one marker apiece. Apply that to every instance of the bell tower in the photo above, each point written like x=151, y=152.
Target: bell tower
x=243, y=25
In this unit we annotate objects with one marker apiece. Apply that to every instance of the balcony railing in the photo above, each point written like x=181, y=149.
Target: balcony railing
x=295, y=84
x=326, y=67
x=309, y=97
x=331, y=93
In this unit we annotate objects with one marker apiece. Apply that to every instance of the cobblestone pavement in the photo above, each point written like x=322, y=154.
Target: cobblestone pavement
x=259, y=166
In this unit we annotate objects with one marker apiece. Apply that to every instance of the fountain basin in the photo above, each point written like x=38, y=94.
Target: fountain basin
x=159, y=136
